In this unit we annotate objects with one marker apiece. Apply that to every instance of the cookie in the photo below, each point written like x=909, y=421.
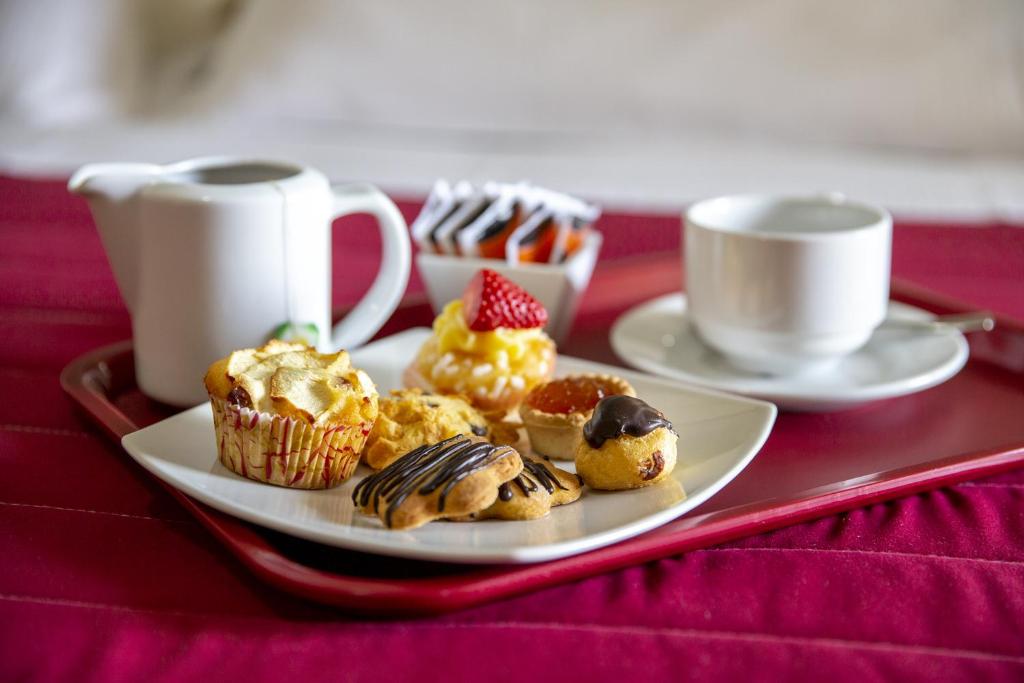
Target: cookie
x=626, y=444
x=452, y=478
x=409, y=418
x=538, y=488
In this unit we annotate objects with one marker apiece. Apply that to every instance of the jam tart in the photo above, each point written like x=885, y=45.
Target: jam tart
x=554, y=412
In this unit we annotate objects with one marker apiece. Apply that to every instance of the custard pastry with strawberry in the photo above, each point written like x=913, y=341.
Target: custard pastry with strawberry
x=489, y=346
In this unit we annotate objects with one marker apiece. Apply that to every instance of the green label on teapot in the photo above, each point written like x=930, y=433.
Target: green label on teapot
x=307, y=333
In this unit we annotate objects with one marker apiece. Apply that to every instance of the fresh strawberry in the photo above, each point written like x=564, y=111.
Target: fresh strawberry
x=490, y=301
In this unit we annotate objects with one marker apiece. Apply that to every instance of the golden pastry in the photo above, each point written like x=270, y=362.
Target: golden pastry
x=409, y=418
x=626, y=444
x=538, y=488
x=489, y=346
x=452, y=478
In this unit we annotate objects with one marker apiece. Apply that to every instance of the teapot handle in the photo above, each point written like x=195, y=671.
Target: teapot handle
x=387, y=289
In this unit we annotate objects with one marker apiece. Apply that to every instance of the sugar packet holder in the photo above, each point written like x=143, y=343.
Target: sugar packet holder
x=445, y=204
x=553, y=232
x=513, y=222
x=449, y=210
x=486, y=236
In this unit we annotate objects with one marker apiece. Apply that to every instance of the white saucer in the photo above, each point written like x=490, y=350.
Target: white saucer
x=899, y=359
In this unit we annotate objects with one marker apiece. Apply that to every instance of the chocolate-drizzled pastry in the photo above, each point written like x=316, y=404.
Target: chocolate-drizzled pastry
x=626, y=444
x=534, y=475
x=615, y=416
x=532, y=494
x=451, y=478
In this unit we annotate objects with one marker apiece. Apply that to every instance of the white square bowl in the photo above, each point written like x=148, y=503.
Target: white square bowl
x=557, y=286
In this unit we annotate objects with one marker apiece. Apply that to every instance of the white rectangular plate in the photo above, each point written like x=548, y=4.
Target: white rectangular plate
x=719, y=434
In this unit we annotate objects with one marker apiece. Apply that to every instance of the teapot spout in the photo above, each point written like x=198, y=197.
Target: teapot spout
x=111, y=190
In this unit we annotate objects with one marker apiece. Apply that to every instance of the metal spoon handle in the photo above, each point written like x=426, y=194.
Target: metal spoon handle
x=975, y=321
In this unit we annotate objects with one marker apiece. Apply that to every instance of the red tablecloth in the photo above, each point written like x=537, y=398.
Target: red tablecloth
x=103, y=577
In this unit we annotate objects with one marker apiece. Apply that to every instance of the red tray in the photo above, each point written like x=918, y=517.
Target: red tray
x=811, y=466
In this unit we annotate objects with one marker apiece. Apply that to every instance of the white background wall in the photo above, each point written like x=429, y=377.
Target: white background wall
x=916, y=104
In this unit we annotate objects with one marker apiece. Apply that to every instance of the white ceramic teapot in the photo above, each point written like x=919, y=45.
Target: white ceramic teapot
x=216, y=254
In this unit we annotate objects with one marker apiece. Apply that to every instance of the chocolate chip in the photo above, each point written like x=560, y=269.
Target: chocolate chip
x=478, y=430
x=652, y=468
x=240, y=397
x=433, y=405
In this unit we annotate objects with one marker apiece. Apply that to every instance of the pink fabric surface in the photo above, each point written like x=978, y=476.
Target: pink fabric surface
x=104, y=577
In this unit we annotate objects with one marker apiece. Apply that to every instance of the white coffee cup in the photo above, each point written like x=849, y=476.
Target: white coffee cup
x=217, y=254
x=782, y=284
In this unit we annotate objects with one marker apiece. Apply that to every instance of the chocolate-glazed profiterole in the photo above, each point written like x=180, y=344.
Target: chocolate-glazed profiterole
x=454, y=477
x=615, y=416
x=626, y=444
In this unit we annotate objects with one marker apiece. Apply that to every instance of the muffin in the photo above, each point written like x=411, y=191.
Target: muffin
x=409, y=418
x=554, y=412
x=489, y=346
x=626, y=444
x=286, y=415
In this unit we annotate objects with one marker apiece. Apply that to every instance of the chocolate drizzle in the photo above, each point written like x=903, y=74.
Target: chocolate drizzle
x=428, y=468
x=533, y=473
x=617, y=415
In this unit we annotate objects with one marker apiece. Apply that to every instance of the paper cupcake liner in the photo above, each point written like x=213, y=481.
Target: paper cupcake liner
x=285, y=451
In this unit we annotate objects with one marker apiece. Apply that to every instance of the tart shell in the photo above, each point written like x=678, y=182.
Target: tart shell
x=556, y=435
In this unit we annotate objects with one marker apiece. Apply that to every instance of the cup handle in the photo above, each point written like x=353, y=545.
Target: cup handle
x=380, y=301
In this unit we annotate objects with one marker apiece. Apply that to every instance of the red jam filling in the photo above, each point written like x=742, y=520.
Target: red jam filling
x=569, y=395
